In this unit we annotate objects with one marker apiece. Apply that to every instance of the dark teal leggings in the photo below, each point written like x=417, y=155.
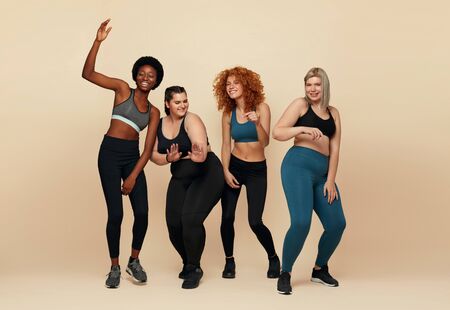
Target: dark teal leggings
x=303, y=174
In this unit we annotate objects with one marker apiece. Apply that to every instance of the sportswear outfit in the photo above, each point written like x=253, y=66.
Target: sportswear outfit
x=254, y=176
x=194, y=189
x=303, y=174
x=116, y=160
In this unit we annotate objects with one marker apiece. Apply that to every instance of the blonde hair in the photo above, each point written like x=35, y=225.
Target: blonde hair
x=325, y=95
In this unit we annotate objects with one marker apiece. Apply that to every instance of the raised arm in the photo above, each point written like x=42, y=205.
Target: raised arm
x=95, y=77
x=196, y=131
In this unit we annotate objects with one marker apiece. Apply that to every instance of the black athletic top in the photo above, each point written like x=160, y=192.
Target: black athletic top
x=311, y=119
x=182, y=139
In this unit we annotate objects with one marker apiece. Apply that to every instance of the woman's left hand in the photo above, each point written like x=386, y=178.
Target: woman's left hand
x=196, y=153
x=252, y=117
x=330, y=188
x=128, y=185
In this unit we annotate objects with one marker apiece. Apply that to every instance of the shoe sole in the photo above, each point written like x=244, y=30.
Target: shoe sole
x=284, y=293
x=273, y=276
x=317, y=280
x=228, y=276
x=134, y=279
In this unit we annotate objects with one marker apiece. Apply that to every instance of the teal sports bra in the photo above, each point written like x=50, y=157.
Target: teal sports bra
x=245, y=132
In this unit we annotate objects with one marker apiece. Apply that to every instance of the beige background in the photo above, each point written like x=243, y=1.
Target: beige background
x=389, y=70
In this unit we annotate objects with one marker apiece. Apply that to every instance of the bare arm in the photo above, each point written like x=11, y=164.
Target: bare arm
x=261, y=118
x=196, y=131
x=120, y=87
x=226, y=150
x=284, y=129
x=150, y=138
x=226, y=140
x=335, y=142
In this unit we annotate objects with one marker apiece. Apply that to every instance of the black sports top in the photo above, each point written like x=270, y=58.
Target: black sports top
x=311, y=119
x=182, y=139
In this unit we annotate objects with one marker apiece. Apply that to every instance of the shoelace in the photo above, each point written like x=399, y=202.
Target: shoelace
x=136, y=266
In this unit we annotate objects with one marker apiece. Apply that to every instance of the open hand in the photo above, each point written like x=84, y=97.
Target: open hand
x=173, y=154
x=196, y=153
x=102, y=31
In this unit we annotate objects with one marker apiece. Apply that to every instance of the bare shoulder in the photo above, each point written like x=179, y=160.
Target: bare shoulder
x=263, y=107
x=226, y=116
x=192, y=118
x=298, y=106
x=155, y=109
x=334, y=112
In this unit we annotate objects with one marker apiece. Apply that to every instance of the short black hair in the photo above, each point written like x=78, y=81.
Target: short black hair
x=152, y=62
x=168, y=95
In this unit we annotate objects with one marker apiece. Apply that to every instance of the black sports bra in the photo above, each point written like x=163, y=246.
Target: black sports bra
x=311, y=119
x=182, y=139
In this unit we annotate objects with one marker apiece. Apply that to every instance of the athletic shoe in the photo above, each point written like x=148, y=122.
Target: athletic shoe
x=274, y=267
x=193, y=277
x=229, y=271
x=284, y=283
x=135, y=270
x=183, y=273
x=113, y=280
x=323, y=276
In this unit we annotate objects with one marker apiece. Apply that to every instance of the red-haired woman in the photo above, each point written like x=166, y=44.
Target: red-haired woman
x=246, y=121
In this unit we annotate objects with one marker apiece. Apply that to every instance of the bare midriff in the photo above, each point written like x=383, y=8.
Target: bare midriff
x=249, y=151
x=322, y=145
x=121, y=130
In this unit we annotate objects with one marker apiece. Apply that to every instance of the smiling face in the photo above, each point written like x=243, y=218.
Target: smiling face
x=146, y=78
x=178, y=105
x=313, y=89
x=234, y=87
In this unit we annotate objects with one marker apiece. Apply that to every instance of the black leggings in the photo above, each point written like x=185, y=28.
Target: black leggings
x=116, y=160
x=254, y=176
x=194, y=189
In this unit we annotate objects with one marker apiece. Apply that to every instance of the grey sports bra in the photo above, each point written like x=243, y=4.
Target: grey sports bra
x=128, y=113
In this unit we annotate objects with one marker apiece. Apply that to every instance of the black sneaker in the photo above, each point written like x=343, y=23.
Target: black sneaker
x=193, y=277
x=323, y=276
x=183, y=273
x=284, y=283
x=113, y=280
x=135, y=270
x=274, y=267
x=229, y=271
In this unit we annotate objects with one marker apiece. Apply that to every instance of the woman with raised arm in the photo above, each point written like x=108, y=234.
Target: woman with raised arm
x=246, y=121
x=196, y=184
x=308, y=175
x=119, y=158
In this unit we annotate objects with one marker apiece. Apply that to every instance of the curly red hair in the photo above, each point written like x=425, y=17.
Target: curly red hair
x=253, y=89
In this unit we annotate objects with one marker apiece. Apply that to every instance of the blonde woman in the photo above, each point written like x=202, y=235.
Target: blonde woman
x=308, y=175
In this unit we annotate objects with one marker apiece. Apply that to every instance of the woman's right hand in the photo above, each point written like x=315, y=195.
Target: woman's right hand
x=102, y=31
x=315, y=133
x=230, y=179
x=173, y=154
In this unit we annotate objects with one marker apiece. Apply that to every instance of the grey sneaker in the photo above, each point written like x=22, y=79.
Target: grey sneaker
x=135, y=270
x=113, y=280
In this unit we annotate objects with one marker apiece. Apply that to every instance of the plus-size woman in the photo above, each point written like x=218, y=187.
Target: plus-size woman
x=308, y=175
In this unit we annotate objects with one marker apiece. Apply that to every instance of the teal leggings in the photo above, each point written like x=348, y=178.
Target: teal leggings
x=303, y=174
